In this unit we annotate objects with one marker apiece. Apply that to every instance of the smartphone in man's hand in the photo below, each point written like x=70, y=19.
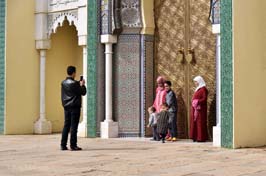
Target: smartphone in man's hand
x=81, y=78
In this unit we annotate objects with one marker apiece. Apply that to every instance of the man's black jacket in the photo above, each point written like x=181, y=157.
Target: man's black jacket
x=71, y=92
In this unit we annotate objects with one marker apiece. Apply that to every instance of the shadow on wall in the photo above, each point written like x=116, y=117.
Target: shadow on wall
x=182, y=121
x=211, y=119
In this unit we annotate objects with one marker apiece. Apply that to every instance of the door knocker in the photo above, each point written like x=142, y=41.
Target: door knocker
x=190, y=57
x=180, y=55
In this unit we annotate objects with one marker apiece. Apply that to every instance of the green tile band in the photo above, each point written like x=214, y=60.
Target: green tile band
x=92, y=65
x=2, y=64
x=226, y=75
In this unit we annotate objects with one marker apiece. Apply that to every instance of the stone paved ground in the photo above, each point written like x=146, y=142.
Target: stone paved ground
x=39, y=155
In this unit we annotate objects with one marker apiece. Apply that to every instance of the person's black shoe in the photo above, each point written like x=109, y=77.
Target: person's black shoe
x=76, y=148
x=64, y=148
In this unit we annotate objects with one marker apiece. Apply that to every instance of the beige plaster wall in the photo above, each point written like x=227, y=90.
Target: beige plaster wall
x=249, y=41
x=22, y=68
x=64, y=52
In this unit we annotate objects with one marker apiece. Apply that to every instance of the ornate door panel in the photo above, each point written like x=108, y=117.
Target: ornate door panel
x=185, y=48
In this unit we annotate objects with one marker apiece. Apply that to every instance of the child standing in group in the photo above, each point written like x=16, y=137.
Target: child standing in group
x=153, y=123
x=162, y=121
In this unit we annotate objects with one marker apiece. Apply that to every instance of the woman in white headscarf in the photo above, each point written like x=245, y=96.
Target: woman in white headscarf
x=198, y=116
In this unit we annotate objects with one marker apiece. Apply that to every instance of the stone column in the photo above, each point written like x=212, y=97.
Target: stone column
x=82, y=129
x=82, y=41
x=42, y=126
x=218, y=73
x=109, y=128
x=217, y=128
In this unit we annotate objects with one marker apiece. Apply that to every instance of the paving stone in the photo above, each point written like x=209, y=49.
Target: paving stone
x=40, y=155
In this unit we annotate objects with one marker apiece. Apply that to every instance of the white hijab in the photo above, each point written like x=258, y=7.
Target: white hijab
x=201, y=82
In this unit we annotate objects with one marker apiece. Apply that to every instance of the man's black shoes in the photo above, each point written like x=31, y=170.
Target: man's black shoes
x=76, y=148
x=64, y=148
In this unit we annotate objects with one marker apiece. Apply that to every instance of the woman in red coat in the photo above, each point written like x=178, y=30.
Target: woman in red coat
x=198, y=116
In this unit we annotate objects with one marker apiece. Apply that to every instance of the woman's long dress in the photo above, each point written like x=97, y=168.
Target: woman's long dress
x=198, y=116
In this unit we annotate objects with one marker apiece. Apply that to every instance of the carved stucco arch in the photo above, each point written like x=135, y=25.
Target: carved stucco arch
x=57, y=21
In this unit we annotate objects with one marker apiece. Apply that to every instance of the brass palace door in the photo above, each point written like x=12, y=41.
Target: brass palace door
x=185, y=48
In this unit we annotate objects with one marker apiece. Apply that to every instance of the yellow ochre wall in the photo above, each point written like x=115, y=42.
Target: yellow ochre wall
x=249, y=53
x=22, y=68
x=64, y=52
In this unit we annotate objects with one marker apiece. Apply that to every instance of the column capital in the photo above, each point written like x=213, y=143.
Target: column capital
x=107, y=38
x=216, y=28
x=43, y=44
x=82, y=40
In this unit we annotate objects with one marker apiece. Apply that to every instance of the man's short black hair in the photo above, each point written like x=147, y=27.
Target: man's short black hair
x=168, y=83
x=71, y=70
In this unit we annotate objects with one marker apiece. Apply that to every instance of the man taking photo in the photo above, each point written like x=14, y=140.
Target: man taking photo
x=71, y=92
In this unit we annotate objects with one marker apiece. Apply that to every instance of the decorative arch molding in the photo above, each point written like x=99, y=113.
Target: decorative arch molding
x=50, y=14
x=56, y=20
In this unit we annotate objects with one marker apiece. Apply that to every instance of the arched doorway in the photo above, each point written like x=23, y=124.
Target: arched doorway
x=49, y=16
x=64, y=51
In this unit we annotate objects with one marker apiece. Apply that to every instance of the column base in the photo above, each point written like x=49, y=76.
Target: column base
x=43, y=127
x=109, y=129
x=217, y=136
x=82, y=129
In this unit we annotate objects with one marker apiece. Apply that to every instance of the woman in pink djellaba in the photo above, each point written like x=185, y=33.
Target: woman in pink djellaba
x=160, y=94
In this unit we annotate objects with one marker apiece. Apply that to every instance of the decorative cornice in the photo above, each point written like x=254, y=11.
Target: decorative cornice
x=62, y=5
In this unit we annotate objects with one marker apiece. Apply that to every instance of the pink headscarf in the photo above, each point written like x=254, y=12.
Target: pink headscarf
x=160, y=79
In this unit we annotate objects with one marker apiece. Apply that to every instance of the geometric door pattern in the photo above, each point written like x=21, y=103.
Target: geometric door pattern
x=185, y=48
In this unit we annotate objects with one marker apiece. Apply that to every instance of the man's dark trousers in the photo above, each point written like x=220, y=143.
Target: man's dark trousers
x=172, y=125
x=72, y=117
